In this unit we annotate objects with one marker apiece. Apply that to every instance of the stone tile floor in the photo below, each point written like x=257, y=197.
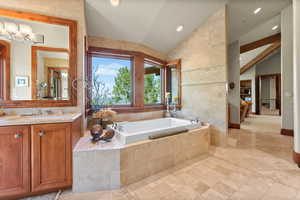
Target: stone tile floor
x=257, y=167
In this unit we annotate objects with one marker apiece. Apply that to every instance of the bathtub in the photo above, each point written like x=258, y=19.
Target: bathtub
x=130, y=132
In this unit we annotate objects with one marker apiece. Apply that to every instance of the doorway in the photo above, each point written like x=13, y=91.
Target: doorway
x=268, y=100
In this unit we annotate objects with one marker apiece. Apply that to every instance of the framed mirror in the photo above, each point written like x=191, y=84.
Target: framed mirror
x=173, y=82
x=38, y=60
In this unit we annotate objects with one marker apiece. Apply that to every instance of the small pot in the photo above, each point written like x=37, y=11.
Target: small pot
x=96, y=132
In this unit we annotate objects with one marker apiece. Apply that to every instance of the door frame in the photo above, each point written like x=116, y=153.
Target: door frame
x=258, y=78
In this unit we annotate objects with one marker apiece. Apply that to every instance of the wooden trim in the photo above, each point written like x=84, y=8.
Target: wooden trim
x=296, y=157
x=34, y=50
x=96, y=50
x=5, y=73
x=235, y=126
x=260, y=57
x=34, y=17
x=145, y=108
x=257, y=95
x=176, y=63
x=287, y=132
x=8, y=103
x=138, y=82
x=261, y=42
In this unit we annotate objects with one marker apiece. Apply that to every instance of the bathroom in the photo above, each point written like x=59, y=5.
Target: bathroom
x=93, y=100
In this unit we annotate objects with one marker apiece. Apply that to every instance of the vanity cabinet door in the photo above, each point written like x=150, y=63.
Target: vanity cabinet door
x=14, y=161
x=51, y=156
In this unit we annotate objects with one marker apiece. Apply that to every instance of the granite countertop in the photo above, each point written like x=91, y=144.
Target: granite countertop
x=11, y=120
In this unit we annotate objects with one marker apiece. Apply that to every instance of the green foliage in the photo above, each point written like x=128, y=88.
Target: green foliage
x=121, y=92
x=152, y=88
x=122, y=87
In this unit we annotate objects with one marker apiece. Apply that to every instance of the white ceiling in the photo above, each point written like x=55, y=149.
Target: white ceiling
x=150, y=22
x=262, y=30
x=248, y=27
x=153, y=22
x=250, y=55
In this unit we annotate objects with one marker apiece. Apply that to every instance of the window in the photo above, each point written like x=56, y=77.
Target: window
x=152, y=83
x=111, y=81
x=128, y=81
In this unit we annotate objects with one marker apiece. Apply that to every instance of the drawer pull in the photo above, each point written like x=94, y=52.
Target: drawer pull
x=18, y=135
x=41, y=133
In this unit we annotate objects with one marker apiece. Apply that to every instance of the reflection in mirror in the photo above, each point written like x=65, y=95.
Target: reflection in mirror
x=50, y=73
x=22, y=36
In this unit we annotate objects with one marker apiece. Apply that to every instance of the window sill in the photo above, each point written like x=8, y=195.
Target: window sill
x=131, y=109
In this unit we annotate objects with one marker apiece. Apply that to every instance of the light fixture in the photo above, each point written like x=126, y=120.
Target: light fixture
x=19, y=32
x=257, y=10
x=275, y=27
x=115, y=3
x=179, y=28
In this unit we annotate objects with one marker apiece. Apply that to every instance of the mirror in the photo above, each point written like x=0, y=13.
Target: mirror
x=37, y=60
x=173, y=81
x=50, y=72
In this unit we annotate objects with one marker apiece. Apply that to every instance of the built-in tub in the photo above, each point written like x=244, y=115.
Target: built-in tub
x=130, y=132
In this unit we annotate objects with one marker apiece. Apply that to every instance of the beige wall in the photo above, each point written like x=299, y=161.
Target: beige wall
x=204, y=74
x=124, y=45
x=69, y=9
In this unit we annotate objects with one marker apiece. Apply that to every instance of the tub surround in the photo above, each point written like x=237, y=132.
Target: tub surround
x=13, y=120
x=112, y=165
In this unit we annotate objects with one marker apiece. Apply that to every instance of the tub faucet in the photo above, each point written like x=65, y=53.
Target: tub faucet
x=114, y=125
x=195, y=121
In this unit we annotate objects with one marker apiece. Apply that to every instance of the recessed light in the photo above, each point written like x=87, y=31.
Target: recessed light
x=257, y=10
x=179, y=28
x=275, y=27
x=115, y=3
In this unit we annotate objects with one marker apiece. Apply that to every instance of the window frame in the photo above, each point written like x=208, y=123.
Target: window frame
x=137, y=69
x=115, y=56
x=162, y=81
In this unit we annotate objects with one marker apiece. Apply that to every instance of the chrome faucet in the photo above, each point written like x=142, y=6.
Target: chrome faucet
x=195, y=121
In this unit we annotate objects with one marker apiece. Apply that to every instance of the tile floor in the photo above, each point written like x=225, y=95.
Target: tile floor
x=257, y=167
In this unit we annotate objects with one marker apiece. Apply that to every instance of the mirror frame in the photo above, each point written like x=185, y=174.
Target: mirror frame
x=72, y=24
x=5, y=73
x=177, y=64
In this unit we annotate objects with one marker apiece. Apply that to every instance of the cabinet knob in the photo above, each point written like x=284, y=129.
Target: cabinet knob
x=18, y=135
x=41, y=133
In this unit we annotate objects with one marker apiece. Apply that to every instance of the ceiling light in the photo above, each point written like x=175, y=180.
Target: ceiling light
x=275, y=27
x=115, y=3
x=179, y=28
x=257, y=10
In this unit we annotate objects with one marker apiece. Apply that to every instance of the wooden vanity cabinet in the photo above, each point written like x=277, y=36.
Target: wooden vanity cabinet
x=36, y=159
x=51, y=151
x=14, y=160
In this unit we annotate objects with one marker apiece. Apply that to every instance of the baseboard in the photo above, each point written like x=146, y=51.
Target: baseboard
x=287, y=132
x=297, y=158
x=233, y=125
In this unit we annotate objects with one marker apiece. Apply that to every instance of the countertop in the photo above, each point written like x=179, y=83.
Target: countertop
x=12, y=120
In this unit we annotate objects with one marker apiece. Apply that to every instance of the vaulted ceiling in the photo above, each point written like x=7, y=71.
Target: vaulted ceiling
x=154, y=22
